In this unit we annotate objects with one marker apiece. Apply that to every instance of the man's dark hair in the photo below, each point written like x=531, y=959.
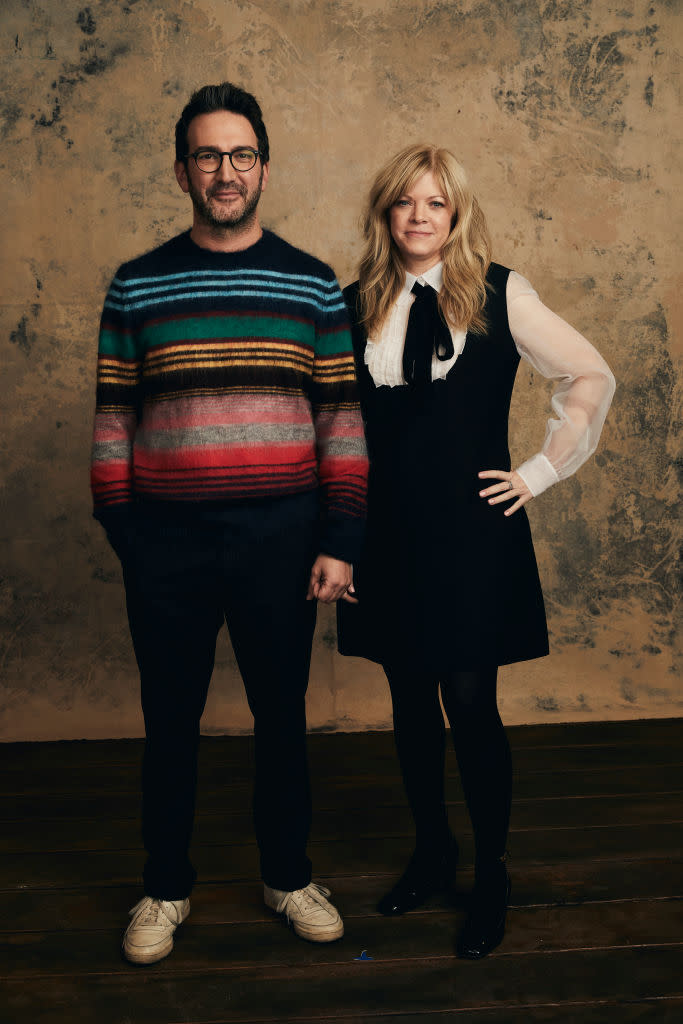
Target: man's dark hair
x=225, y=96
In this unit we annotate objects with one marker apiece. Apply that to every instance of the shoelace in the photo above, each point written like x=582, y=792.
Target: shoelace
x=148, y=911
x=312, y=896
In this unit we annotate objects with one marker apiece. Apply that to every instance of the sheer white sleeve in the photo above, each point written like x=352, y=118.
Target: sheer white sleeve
x=582, y=397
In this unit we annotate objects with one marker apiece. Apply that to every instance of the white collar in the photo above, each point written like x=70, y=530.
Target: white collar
x=433, y=277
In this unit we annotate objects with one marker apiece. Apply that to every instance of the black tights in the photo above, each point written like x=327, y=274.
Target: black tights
x=481, y=747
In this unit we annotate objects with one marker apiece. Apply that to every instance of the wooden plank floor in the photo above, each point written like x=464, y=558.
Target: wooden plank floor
x=595, y=930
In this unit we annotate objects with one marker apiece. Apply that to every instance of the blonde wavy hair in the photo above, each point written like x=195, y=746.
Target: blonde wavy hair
x=466, y=254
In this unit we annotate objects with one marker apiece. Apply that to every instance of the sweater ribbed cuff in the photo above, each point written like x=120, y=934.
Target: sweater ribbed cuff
x=342, y=539
x=119, y=522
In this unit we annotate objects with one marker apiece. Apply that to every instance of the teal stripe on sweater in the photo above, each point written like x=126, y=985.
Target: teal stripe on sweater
x=170, y=291
x=334, y=343
x=191, y=275
x=121, y=344
x=254, y=328
x=243, y=294
x=251, y=328
x=273, y=276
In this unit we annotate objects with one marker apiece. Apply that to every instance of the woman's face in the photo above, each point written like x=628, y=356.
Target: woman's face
x=420, y=222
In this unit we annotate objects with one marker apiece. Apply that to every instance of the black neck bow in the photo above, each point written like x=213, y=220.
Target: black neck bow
x=427, y=333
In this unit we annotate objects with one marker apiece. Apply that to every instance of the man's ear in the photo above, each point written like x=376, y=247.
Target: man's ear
x=180, y=169
x=266, y=172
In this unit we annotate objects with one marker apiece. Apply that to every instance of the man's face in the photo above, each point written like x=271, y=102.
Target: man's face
x=225, y=198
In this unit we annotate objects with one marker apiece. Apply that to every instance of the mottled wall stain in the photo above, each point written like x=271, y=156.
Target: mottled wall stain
x=562, y=111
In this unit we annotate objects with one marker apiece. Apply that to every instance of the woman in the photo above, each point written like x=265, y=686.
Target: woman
x=448, y=588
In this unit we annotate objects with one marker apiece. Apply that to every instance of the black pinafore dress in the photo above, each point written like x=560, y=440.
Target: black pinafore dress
x=446, y=581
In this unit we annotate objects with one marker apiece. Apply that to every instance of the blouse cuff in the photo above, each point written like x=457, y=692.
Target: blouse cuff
x=538, y=473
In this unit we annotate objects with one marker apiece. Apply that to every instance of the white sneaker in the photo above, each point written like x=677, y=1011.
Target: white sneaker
x=308, y=910
x=149, y=936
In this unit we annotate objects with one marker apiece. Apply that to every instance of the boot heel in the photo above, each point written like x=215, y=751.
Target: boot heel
x=484, y=926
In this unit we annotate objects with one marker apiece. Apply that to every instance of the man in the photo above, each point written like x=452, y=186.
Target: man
x=229, y=471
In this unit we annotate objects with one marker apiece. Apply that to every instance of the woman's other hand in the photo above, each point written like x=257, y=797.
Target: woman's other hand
x=511, y=486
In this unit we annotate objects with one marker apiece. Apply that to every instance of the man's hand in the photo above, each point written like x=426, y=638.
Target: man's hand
x=330, y=580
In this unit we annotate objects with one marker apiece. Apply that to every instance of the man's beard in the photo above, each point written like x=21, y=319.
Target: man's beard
x=229, y=218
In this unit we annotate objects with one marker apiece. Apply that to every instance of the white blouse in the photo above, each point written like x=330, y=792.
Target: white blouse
x=580, y=401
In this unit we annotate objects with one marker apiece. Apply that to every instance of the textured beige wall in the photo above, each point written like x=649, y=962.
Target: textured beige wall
x=561, y=109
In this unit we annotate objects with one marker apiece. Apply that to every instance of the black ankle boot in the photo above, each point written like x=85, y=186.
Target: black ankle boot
x=484, y=926
x=425, y=875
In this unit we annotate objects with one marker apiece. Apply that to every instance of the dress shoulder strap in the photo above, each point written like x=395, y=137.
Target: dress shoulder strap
x=497, y=277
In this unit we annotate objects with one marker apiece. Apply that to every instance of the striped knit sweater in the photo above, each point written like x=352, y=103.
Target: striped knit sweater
x=224, y=377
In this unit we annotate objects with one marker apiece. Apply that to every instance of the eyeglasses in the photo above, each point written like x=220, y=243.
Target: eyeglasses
x=210, y=160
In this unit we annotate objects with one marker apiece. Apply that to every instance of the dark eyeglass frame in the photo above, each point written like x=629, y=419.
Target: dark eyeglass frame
x=229, y=154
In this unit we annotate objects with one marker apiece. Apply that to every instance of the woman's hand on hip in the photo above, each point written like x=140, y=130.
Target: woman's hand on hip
x=510, y=486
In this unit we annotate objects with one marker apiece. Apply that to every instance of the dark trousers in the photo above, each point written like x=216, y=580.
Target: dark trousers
x=481, y=747
x=182, y=583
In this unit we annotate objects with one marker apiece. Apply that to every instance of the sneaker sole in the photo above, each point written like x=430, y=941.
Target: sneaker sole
x=330, y=934
x=140, y=956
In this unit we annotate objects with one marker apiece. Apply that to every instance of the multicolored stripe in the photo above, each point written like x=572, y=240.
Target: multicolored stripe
x=225, y=384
